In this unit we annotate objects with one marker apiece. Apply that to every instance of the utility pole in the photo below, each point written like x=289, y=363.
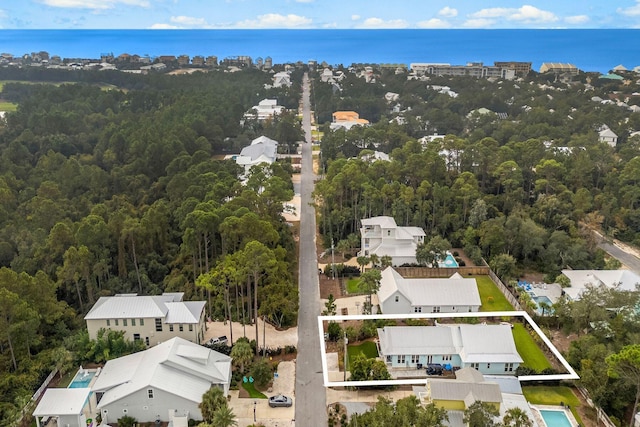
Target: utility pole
x=333, y=262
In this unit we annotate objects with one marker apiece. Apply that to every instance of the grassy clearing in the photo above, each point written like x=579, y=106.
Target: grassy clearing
x=352, y=285
x=368, y=348
x=8, y=106
x=491, y=297
x=547, y=395
x=253, y=393
x=528, y=349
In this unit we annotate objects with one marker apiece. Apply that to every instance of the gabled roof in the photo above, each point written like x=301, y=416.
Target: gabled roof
x=607, y=133
x=625, y=280
x=176, y=366
x=469, y=392
x=131, y=306
x=416, y=340
x=382, y=221
x=184, y=312
x=260, y=147
x=454, y=291
x=480, y=341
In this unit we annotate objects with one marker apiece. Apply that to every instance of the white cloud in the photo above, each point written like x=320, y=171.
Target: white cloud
x=163, y=27
x=434, y=23
x=630, y=11
x=526, y=14
x=355, y=17
x=189, y=21
x=381, y=23
x=94, y=4
x=478, y=23
x=577, y=19
x=448, y=12
x=275, y=20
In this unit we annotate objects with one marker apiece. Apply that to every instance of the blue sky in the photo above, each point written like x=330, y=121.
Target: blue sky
x=244, y=14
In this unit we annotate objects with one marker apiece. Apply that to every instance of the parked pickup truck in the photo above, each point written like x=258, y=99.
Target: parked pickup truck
x=219, y=340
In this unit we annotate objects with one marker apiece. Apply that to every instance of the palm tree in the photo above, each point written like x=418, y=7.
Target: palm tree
x=224, y=417
x=241, y=353
x=212, y=401
x=516, y=417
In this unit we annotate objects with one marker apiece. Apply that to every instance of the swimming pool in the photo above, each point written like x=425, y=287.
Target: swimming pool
x=543, y=299
x=449, y=262
x=82, y=379
x=555, y=418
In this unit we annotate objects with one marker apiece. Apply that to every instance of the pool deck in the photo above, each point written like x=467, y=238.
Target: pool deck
x=540, y=421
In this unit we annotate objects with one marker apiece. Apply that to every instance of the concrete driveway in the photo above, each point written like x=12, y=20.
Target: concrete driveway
x=269, y=417
x=273, y=337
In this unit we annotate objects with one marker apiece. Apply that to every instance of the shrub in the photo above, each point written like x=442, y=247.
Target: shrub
x=455, y=253
x=368, y=330
x=289, y=349
x=335, y=331
x=126, y=421
x=461, y=263
x=261, y=372
x=352, y=334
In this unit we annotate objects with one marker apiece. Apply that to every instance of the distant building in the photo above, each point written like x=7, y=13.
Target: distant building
x=261, y=150
x=198, y=61
x=268, y=63
x=282, y=79
x=237, y=61
x=167, y=59
x=266, y=109
x=183, y=60
x=211, y=61
x=559, y=68
x=520, y=68
x=608, y=136
x=347, y=119
x=382, y=236
x=472, y=69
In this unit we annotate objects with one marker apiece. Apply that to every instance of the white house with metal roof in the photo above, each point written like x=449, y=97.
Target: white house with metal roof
x=153, y=319
x=399, y=295
x=624, y=280
x=608, y=136
x=261, y=150
x=69, y=407
x=381, y=236
x=490, y=349
x=165, y=382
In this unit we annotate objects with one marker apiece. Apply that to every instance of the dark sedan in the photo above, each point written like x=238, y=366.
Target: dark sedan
x=280, y=400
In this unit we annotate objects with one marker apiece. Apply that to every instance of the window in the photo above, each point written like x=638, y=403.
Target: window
x=190, y=328
x=136, y=337
x=446, y=357
x=488, y=365
x=401, y=358
x=397, y=298
x=125, y=410
x=417, y=309
x=508, y=367
x=158, y=325
x=389, y=359
x=108, y=322
x=415, y=359
x=146, y=341
x=475, y=365
x=150, y=393
x=430, y=358
x=388, y=232
x=436, y=310
x=133, y=322
x=115, y=322
x=141, y=322
x=181, y=328
x=124, y=322
x=170, y=328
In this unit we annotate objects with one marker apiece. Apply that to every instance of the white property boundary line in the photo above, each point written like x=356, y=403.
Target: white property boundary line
x=571, y=375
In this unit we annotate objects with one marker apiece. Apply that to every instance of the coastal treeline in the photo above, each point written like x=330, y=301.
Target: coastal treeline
x=516, y=176
x=110, y=190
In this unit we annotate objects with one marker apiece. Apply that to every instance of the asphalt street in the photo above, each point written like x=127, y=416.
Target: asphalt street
x=310, y=401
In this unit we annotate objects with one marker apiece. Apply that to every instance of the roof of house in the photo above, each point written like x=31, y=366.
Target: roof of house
x=625, y=280
x=454, y=291
x=469, y=392
x=382, y=221
x=416, y=340
x=132, y=306
x=474, y=343
x=184, y=312
x=176, y=366
x=62, y=401
x=266, y=148
x=607, y=133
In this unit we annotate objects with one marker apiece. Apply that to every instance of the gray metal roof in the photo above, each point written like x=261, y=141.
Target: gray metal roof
x=461, y=390
x=62, y=401
x=162, y=306
x=454, y=291
x=487, y=343
x=176, y=366
x=416, y=340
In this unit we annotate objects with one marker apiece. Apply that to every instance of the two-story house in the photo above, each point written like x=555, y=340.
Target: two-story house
x=398, y=295
x=153, y=319
x=382, y=236
x=490, y=349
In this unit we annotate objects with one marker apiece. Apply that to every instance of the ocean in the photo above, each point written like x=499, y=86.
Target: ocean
x=590, y=50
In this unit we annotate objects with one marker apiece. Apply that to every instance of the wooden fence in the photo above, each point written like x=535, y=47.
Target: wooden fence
x=412, y=272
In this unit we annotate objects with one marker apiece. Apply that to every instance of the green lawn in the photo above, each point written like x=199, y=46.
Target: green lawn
x=352, y=285
x=253, y=393
x=368, y=348
x=528, y=349
x=547, y=395
x=8, y=106
x=490, y=296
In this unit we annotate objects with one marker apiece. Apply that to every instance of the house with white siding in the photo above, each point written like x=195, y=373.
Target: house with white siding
x=490, y=349
x=382, y=236
x=152, y=319
x=399, y=295
x=164, y=383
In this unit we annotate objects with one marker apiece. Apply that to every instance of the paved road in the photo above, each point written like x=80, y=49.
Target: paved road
x=628, y=259
x=310, y=401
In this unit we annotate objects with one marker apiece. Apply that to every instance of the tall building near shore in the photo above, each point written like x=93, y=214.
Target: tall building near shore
x=559, y=68
x=520, y=68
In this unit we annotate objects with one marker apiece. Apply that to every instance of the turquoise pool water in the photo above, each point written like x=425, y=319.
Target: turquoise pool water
x=543, y=299
x=82, y=380
x=555, y=418
x=449, y=262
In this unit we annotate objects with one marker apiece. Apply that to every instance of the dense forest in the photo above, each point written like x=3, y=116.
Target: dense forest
x=522, y=186
x=115, y=183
